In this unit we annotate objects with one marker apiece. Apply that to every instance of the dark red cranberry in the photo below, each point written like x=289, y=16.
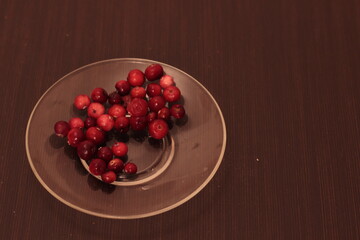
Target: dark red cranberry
x=151, y=116
x=96, y=135
x=76, y=123
x=116, y=111
x=154, y=71
x=126, y=100
x=75, y=136
x=138, y=92
x=105, y=153
x=164, y=113
x=166, y=81
x=82, y=101
x=116, y=165
x=156, y=103
x=177, y=111
x=99, y=95
x=123, y=87
x=138, y=123
x=172, y=94
x=62, y=128
x=86, y=149
x=158, y=129
x=119, y=149
x=114, y=98
x=97, y=166
x=136, y=78
x=130, y=168
x=90, y=122
x=105, y=122
x=153, y=90
x=137, y=107
x=122, y=124
x=108, y=177
x=95, y=110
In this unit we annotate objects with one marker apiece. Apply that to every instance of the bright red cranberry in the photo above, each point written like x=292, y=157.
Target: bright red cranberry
x=105, y=122
x=138, y=92
x=123, y=87
x=130, y=168
x=156, y=103
x=114, y=98
x=158, y=129
x=153, y=72
x=108, y=177
x=82, y=101
x=95, y=134
x=119, y=149
x=138, y=123
x=76, y=123
x=136, y=78
x=166, y=81
x=164, y=113
x=172, y=94
x=116, y=111
x=116, y=165
x=153, y=89
x=126, y=100
x=177, y=111
x=90, y=122
x=75, y=136
x=95, y=110
x=86, y=149
x=137, y=107
x=62, y=128
x=99, y=95
x=151, y=116
x=105, y=153
x=122, y=124
x=97, y=166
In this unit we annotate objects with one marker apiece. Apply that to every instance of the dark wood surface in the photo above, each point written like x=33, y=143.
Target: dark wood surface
x=285, y=74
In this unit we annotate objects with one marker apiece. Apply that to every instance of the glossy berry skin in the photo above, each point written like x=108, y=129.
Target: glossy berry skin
x=137, y=107
x=108, y=177
x=136, y=78
x=105, y=153
x=75, y=136
x=126, y=100
x=166, y=81
x=130, y=168
x=151, y=116
x=138, y=92
x=153, y=89
x=114, y=98
x=95, y=110
x=116, y=111
x=116, y=165
x=123, y=87
x=82, y=102
x=156, y=103
x=164, y=113
x=122, y=124
x=177, y=111
x=138, y=123
x=105, y=122
x=153, y=72
x=172, y=94
x=76, y=123
x=96, y=135
x=62, y=128
x=158, y=129
x=97, y=166
x=99, y=95
x=89, y=122
x=86, y=149
x=119, y=149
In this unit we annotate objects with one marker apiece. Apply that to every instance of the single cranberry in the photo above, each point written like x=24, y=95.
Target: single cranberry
x=154, y=71
x=158, y=129
x=156, y=103
x=114, y=98
x=86, y=149
x=130, y=168
x=177, y=111
x=123, y=87
x=97, y=166
x=75, y=136
x=82, y=101
x=126, y=100
x=105, y=153
x=95, y=110
x=166, y=81
x=137, y=107
x=108, y=177
x=151, y=116
x=76, y=123
x=119, y=149
x=138, y=92
x=153, y=89
x=95, y=134
x=172, y=94
x=138, y=123
x=90, y=122
x=136, y=78
x=164, y=113
x=99, y=95
x=116, y=165
x=116, y=111
x=62, y=128
x=122, y=124
x=105, y=122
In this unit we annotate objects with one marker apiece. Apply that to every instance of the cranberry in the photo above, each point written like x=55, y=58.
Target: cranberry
x=90, y=122
x=153, y=72
x=138, y=123
x=137, y=107
x=164, y=113
x=177, y=111
x=166, y=81
x=97, y=166
x=95, y=134
x=151, y=116
x=138, y=92
x=172, y=94
x=116, y=165
x=158, y=129
x=86, y=149
x=136, y=78
x=105, y=122
x=62, y=128
x=114, y=98
x=130, y=168
x=75, y=136
x=95, y=110
x=123, y=87
x=156, y=103
x=116, y=111
x=76, y=123
x=122, y=124
x=82, y=101
x=99, y=95
x=108, y=177
x=105, y=154
x=153, y=90
x=119, y=149
x=126, y=99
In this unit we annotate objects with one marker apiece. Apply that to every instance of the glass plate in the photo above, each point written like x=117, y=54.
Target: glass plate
x=176, y=169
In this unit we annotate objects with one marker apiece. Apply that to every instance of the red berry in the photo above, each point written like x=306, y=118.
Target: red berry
x=105, y=122
x=97, y=166
x=138, y=92
x=166, y=81
x=95, y=110
x=82, y=101
x=114, y=98
x=105, y=153
x=95, y=134
x=137, y=107
x=151, y=116
x=86, y=149
x=164, y=113
x=119, y=149
x=76, y=123
x=158, y=129
x=108, y=177
x=123, y=87
x=75, y=136
x=153, y=90
x=122, y=124
x=153, y=72
x=136, y=78
x=177, y=111
x=156, y=103
x=62, y=128
x=172, y=94
x=130, y=168
x=99, y=95
x=138, y=123
x=126, y=100
x=115, y=165
x=116, y=111
x=90, y=122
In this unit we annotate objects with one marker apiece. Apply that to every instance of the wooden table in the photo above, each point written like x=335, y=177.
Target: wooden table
x=285, y=74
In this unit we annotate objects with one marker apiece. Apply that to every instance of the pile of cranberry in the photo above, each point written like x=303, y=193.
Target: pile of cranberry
x=136, y=104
